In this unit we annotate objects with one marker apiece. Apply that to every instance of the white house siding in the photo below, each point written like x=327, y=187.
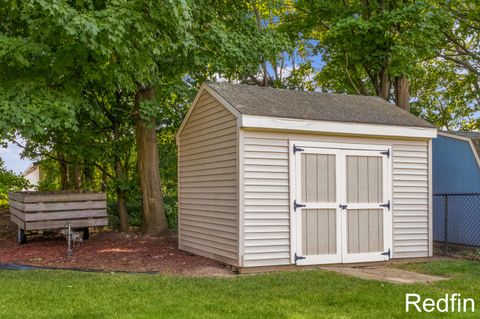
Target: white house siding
x=266, y=214
x=208, y=182
x=33, y=177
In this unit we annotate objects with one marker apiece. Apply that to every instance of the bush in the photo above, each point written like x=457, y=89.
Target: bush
x=10, y=182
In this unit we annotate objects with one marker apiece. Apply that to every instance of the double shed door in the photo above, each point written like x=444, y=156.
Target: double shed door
x=341, y=203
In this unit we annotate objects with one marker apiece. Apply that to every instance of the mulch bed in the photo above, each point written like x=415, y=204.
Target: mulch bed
x=111, y=251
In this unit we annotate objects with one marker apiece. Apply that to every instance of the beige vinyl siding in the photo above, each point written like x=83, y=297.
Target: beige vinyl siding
x=410, y=200
x=266, y=213
x=266, y=201
x=208, y=182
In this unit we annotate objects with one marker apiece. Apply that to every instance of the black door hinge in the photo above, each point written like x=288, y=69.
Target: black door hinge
x=296, y=257
x=387, y=205
x=387, y=152
x=297, y=205
x=387, y=253
x=297, y=149
x=343, y=206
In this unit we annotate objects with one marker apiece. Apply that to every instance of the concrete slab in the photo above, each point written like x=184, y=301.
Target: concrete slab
x=382, y=273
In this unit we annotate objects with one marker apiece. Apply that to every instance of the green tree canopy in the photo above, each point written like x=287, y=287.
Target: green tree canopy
x=76, y=73
x=369, y=47
x=10, y=182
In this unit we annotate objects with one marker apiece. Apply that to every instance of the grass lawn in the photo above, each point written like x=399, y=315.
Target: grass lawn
x=302, y=294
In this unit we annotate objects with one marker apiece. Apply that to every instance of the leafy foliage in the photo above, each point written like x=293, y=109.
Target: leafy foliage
x=72, y=70
x=446, y=97
x=364, y=44
x=10, y=182
x=450, y=85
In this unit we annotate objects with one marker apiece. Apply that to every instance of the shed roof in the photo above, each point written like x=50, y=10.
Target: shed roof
x=473, y=136
x=255, y=100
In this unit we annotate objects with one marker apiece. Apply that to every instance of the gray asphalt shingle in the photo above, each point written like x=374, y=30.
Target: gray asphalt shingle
x=255, y=100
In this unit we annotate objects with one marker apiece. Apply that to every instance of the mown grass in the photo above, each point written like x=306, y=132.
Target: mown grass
x=302, y=294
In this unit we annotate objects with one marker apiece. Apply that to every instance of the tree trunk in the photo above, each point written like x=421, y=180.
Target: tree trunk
x=384, y=85
x=402, y=94
x=263, y=61
x=63, y=171
x=120, y=177
x=88, y=173
x=122, y=209
x=103, y=186
x=77, y=177
x=154, y=221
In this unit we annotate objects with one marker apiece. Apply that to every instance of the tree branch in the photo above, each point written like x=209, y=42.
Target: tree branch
x=461, y=63
x=349, y=77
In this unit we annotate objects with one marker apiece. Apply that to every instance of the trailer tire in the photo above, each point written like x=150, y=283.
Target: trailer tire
x=21, y=236
x=86, y=233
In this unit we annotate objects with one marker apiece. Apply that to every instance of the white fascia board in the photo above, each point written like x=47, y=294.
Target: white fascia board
x=457, y=137
x=221, y=100
x=299, y=125
x=465, y=139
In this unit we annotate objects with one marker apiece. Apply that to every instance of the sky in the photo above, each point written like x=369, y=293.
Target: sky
x=11, y=157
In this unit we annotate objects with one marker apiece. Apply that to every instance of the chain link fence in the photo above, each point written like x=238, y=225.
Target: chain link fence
x=456, y=225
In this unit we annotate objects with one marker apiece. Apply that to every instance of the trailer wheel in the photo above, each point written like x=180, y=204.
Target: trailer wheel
x=21, y=237
x=86, y=233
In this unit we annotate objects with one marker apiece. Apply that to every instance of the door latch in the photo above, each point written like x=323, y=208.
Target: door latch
x=297, y=205
x=344, y=206
x=387, y=205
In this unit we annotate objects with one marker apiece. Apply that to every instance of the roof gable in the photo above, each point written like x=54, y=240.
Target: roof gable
x=206, y=90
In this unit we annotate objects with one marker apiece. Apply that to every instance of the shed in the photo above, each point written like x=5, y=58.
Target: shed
x=456, y=163
x=456, y=187
x=272, y=177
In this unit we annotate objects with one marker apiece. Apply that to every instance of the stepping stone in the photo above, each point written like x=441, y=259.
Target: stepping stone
x=382, y=273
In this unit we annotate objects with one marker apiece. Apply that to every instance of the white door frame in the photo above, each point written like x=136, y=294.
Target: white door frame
x=297, y=216
x=387, y=213
x=340, y=150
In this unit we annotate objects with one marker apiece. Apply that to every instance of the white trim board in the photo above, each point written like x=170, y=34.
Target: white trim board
x=342, y=146
x=241, y=195
x=378, y=130
x=465, y=139
x=430, y=200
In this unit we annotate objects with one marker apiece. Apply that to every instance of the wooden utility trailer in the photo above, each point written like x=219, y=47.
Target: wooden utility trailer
x=40, y=211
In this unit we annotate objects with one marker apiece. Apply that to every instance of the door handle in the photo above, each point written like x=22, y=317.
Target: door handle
x=344, y=206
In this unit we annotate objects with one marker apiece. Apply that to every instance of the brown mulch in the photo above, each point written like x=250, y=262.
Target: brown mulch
x=111, y=251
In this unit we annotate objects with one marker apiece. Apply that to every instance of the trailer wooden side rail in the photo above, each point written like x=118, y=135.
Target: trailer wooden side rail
x=34, y=211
